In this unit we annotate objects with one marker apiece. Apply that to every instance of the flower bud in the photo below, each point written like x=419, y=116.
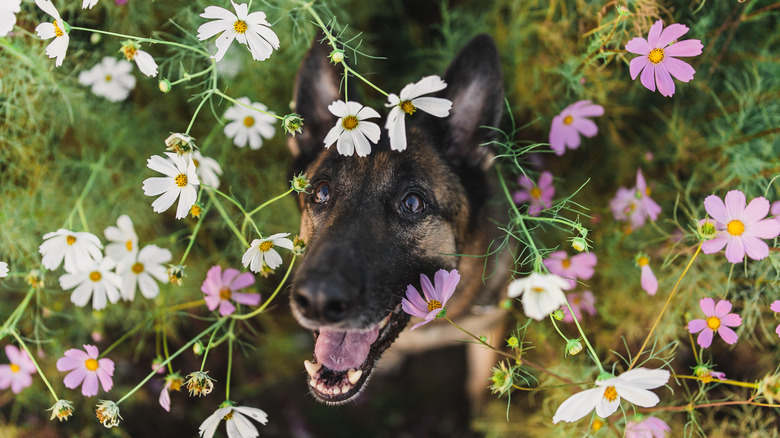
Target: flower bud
x=558, y=314
x=337, y=56
x=292, y=124
x=175, y=274
x=62, y=410
x=196, y=210
x=579, y=244
x=299, y=183
x=512, y=342
x=198, y=348
x=179, y=143
x=573, y=347
x=165, y=85
x=299, y=246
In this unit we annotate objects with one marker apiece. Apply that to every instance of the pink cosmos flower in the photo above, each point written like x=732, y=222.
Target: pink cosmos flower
x=538, y=195
x=221, y=287
x=774, y=211
x=435, y=297
x=658, y=62
x=740, y=228
x=651, y=427
x=635, y=205
x=718, y=320
x=571, y=122
x=776, y=308
x=648, y=280
x=577, y=267
x=579, y=301
x=18, y=374
x=173, y=382
x=86, y=368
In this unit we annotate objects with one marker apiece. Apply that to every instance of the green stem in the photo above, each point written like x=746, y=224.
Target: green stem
x=270, y=201
x=519, y=216
x=585, y=338
x=552, y=318
x=143, y=40
x=87, y=188
x=10, y=323
x=125, y=336
x=188, y=77
x=260, y=309
x=230, y=360
x=208, y=347
x=35, y=362
x=197, y=110
x=195, y=233
x=227, y=219
x=226, y=97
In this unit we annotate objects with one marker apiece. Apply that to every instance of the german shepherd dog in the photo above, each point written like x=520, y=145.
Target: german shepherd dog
x=374, y=224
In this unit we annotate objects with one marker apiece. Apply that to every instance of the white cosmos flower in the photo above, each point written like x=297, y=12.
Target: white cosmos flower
x=8, y=11
x=56, y=30
x=632, y=385
x=238, y=426
x=124, y=240
x=208, y=169
x=110, y=78
x=262, y=250
x=248, y=125
x=87, y=4
x=250, y=29
x=179, y=182
x=352, y=132
x=78, y=249
x=141, y=271
x=3, y=269
x=542, y=294
x=409, y=102
x=143, y=60
x=96, y=282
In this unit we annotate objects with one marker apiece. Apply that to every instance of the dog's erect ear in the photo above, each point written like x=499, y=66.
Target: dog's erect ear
x=316, y=87
x=475, y=87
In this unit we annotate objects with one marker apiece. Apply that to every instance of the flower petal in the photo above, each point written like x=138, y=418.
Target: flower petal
x=735, y=250
x=696, y=325
x=735, y=204
x=717, y=209
x=639, y=46
x=671, y=33
x=664, y=80
x=728, y=335
x=707, y=306
x=578, y=405
x=705, y=338
x=679, y=69
x=722, y=309
x=655, y=32
x=684, y=48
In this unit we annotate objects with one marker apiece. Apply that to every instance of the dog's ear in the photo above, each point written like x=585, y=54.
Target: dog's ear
x=475, y=87
x=316, y=87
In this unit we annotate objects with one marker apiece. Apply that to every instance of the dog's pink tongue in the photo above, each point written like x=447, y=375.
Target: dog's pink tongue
x=340, y=351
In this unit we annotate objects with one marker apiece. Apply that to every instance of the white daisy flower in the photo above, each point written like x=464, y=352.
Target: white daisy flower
x=96, y=282
x=262, y=250
x=141, y=271
x=125, y=241
x=249, y=125
x=352, y=132
x=87, y=4
x=56, y=30
x=542, y=294
x=238, y=426
x=143, y=60
x=179, y=182
x=110, y=78
x=78, y=249
x=3, y=269
x=208, y=169
x=409, y=102
x=632, y=385
x=8, y=11
x=250, y=29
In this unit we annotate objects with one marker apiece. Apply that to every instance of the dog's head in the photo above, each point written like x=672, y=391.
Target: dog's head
x=374, y=224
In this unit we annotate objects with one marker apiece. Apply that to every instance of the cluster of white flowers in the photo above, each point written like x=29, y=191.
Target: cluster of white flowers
x=103, y=278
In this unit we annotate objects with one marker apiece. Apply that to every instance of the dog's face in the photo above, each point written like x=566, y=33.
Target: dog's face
x=374, y=224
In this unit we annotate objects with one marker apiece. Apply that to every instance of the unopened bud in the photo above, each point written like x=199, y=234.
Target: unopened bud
x=337, y=56
x=579, y=244
x=573, y=346
x=165, y=85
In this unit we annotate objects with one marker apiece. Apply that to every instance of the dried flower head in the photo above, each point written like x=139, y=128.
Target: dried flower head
x=769, y=387
x=179, y=143
x=62, y=410
x=107, y=413
x=502, y=379
x=300, y=183
x=292, y=124
x=199, y=383
x=175, y=274
x=299, y=246
x=35, y=279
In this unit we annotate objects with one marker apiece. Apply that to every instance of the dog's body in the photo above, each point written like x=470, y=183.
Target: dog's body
x=374, y=224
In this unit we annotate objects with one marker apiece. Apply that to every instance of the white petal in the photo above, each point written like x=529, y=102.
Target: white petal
x=578, y=405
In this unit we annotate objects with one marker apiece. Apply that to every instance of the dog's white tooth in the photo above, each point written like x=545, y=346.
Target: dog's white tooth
x=320, y=387
x=312, y=368
x=345, y=389
x=313, y=382
x=384, y=322
x=336, y=391
x=353, y=375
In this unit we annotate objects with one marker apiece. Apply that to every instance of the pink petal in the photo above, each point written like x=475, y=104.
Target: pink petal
x=521, y=197
x=571, y=138
x=735, y=250
x=74, y=378
x=92, y=351
x=679, y=69
x=76, y=354
x=589, y=110
x=105, y=379
x=755, y=248
x=697, y=325
x=586, y=127
x=717, y=209
x=637, y=65
x=228, y=275
x=409, y=308
x=545, y=179
x=684, y=48
x=106, y=365
x=648, y=77
x=671, y=33
x=731, y=320
x=655, y=32
x=775, y=306
x=765, y=229
x=735, y=204
x=90, y=386
x=777, y=330
x=69, y=363
x=639, y=46
x=165, y=399
x=714, y=245
x=705, y=338
x=707, y=306
x=728, y=335
x=755, y=211
x=428, y=290
x=226, y=308
x=244, y=280
x=556, y=136
x=664, y=80
x=649, y=282
x=246, y=298
x=722, y=309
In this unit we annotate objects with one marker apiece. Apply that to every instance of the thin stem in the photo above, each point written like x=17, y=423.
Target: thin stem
x=260, y=309
x=10, y=323
x=188, y=77
x=142, y=39
x=709, y=379
x=585, y=338
x=552, y=319
x=668, y=300
x=230, y=360
x=87, y=187
x=208, y=347
x=226, y=97
x=195, y=233
x=227, y=219
x=197, y=110
x=125, y=336
x=35, y=362
x=519, y=216
x=270, y=201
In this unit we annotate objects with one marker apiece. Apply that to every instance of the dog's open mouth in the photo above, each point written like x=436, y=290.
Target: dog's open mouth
x=343, y=360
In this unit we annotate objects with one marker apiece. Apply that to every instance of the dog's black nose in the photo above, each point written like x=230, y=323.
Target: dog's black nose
x=321, y=302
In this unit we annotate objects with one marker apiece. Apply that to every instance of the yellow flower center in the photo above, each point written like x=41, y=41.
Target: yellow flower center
x=224, y=293
x=108, y=78
x=610, y=393
x=57, y=31
x=566, y=262
x=735, y=227
x=349, y=123
x=266, y=246
x=656, y=56
x=181, y=180
x=175, y=385
x=642, y=261
x=407, y=107
x=15, y=368
x=568, y=120
x=537, y=289
x=138, y=268
x=71, y=240
x=229, y=416
x=91, y=364
x=433, y=305
x=536, y=192
x=713, y=322
x=197, y=163
x=240, y=26
x=647, y=190
x=95, y=276
x=597, y=424
x=129, y=52
x=249, y=121
x=129, y=245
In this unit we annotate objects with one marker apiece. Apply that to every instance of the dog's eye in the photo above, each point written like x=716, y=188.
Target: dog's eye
x=321, y=193
x=413, y=204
